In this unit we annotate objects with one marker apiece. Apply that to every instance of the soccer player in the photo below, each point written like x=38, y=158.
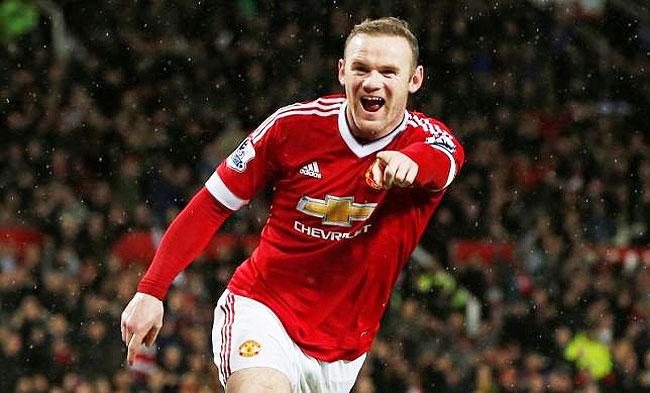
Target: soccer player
x=356, y=179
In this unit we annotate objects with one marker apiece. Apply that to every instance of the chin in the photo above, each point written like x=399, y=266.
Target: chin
x=371, y=125
x=371, y=129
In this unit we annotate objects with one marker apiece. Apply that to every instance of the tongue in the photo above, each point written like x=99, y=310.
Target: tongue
x=371, y=106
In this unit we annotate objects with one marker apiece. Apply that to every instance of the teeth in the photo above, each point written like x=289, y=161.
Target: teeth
x=376, y=99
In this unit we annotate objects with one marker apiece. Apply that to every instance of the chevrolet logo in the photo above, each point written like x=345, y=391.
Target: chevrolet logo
x=336, y=210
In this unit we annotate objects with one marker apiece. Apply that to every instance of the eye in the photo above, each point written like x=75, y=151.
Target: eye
x=359, y=69
x=388, y=73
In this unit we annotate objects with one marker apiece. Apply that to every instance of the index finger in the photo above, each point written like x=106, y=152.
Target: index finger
x=134, y=345
x=385, y=157
x=151, y=336
x=390, y=172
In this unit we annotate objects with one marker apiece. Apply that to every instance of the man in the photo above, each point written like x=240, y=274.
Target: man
x=356, y=179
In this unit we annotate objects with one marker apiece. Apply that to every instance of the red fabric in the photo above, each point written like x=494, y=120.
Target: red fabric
x=432, y=173
x=434, y=155
x=325, y=272
x=183, y=241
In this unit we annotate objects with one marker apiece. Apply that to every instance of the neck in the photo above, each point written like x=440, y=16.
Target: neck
x=364, y=137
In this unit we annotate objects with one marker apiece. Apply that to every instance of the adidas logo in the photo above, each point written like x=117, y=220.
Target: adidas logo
x=311, y=170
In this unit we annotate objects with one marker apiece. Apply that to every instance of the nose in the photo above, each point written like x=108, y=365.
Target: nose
x=372, y=81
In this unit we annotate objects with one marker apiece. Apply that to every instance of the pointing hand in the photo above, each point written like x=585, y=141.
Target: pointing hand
x=392, y=168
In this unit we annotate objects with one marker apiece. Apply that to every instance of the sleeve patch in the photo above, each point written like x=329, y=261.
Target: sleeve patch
x=238, y=159
x=441, y=138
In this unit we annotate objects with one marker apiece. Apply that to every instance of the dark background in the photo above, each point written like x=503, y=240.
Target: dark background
x=114, y=113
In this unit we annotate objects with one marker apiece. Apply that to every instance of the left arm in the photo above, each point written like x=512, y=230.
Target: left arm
x=432, y=164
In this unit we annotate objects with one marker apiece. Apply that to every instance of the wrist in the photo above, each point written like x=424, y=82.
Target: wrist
x=151, y=290
x=146, y=296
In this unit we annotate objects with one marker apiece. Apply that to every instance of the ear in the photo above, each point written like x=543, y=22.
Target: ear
x=416, y=79
x=342, y=72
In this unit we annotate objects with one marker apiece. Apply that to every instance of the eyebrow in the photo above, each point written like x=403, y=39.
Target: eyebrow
x=388, y=67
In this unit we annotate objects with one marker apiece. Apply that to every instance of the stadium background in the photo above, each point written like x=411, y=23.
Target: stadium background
x=113, y=113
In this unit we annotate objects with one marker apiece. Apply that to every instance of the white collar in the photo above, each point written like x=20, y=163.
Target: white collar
x=363, y=150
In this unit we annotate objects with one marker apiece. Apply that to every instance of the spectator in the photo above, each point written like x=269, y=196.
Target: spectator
x=550, y=104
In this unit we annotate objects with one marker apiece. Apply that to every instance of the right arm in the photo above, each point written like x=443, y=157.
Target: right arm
x=183, y=241
x=231, y=186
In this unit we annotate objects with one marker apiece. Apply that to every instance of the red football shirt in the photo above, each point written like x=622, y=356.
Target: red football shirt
x=333, y=246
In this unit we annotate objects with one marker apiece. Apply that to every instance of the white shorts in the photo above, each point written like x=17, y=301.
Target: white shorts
x=248, y=334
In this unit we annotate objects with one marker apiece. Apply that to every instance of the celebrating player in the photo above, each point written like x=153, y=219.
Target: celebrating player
x=356, y=179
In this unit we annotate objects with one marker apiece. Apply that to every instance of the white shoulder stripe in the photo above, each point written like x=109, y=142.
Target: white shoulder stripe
x=318, y=112
x=416, y=121
x=417, y=124
x=222, y=193
x=326, y=106
x=428, y=125
x=308, y=105
x=452, y=166
x=331, y=100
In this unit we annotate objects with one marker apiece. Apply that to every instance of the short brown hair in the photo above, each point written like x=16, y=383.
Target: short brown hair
x=387, y=26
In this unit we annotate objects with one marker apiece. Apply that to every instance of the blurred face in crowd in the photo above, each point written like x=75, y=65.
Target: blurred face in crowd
x=378, y=73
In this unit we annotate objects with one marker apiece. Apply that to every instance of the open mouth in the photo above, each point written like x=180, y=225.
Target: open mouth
x=372, y=104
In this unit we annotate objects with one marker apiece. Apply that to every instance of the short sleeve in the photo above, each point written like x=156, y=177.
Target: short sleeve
x=248, y=168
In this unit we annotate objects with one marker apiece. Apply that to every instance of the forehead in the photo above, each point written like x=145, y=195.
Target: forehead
x=381, y=49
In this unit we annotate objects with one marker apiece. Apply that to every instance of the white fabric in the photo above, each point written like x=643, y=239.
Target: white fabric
x=238, y=320
x=363, y=150
x=452, y=165
x=223, y=194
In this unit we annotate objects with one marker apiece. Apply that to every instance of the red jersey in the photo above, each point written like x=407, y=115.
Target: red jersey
x=333, y=246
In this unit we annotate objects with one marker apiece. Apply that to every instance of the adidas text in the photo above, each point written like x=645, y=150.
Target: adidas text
x=309, y=172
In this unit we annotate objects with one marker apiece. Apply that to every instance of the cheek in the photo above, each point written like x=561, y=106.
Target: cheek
x=393, y=90
x=355, y=83
x=353, y=87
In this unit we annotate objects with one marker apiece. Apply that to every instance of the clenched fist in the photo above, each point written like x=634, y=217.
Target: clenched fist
x=141, y=321
x=392, y=168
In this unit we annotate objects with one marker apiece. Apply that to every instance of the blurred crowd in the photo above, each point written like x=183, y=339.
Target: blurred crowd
x=114, y=117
